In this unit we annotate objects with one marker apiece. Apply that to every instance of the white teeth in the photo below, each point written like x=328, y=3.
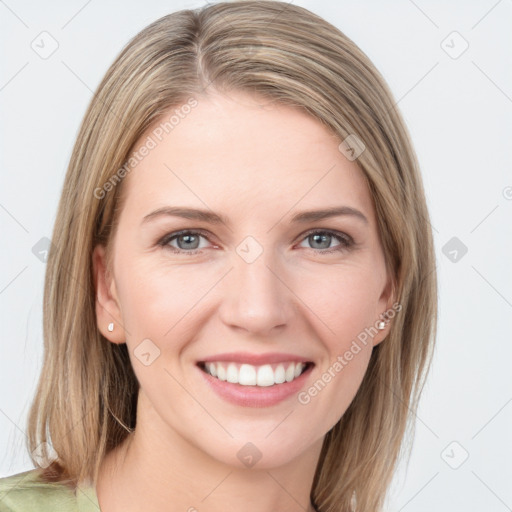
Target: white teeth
x=279, y=375
x=221, y=372
x=265, y=376
x=249, y=375
x=232, y=374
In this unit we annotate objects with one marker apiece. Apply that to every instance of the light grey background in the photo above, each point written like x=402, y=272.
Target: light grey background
x=459, y=112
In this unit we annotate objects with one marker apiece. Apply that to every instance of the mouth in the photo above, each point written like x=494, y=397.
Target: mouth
x=263, y=375
x=255, y=380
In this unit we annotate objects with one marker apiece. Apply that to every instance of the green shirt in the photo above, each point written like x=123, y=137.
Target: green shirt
x=25, y=492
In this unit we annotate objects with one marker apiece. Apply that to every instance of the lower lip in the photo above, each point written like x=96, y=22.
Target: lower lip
x=255, y=396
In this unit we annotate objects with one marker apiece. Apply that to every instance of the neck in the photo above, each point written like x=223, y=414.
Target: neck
x=167, y=473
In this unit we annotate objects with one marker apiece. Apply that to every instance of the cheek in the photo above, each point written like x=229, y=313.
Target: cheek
x=154, y=299
x=343, y=300
x=332, y=391
x=343, y=303
x=157, y=299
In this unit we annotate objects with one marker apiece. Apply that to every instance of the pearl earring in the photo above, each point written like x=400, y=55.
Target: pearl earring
x=110, y=326
x=381, y=325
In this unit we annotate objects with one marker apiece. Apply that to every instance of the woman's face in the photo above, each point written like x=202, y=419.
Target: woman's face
x=263, y=288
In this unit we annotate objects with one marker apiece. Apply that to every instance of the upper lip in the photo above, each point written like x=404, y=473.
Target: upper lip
x=255, y=359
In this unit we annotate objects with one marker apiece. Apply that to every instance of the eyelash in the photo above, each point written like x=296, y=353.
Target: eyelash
x=346, y=242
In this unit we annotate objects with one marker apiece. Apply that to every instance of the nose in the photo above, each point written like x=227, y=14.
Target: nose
x=255, y=297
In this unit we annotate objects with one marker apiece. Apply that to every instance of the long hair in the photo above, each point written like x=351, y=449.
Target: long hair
x=85, y=403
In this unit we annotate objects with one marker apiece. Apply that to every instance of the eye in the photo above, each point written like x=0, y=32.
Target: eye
x=321, y=240
x=188, y=241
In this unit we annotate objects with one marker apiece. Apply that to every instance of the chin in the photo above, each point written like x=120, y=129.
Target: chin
x=263, y=451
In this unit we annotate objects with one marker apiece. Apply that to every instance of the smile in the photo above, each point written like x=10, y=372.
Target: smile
x=255, y=375
x=255, y=380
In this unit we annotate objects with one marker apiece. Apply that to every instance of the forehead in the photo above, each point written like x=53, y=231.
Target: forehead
x=241, y=151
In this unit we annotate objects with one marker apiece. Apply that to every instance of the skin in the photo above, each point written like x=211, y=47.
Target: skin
x=258, y=164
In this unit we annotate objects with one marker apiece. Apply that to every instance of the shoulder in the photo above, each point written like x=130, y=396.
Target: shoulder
x=26, y=491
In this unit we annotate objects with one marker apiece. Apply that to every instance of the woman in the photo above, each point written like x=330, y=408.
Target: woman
x=240, y=301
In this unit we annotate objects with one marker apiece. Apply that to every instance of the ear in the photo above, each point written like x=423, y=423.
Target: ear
x=107, y=305
x=385, y=304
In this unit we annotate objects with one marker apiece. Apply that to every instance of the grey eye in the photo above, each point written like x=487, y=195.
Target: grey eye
x=320, y=241
x=188, y=241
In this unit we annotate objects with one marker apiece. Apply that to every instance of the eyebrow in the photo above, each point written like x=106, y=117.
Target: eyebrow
x=215, y=218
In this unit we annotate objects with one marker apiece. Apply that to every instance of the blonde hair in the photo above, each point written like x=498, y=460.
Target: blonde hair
x=85, y=403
